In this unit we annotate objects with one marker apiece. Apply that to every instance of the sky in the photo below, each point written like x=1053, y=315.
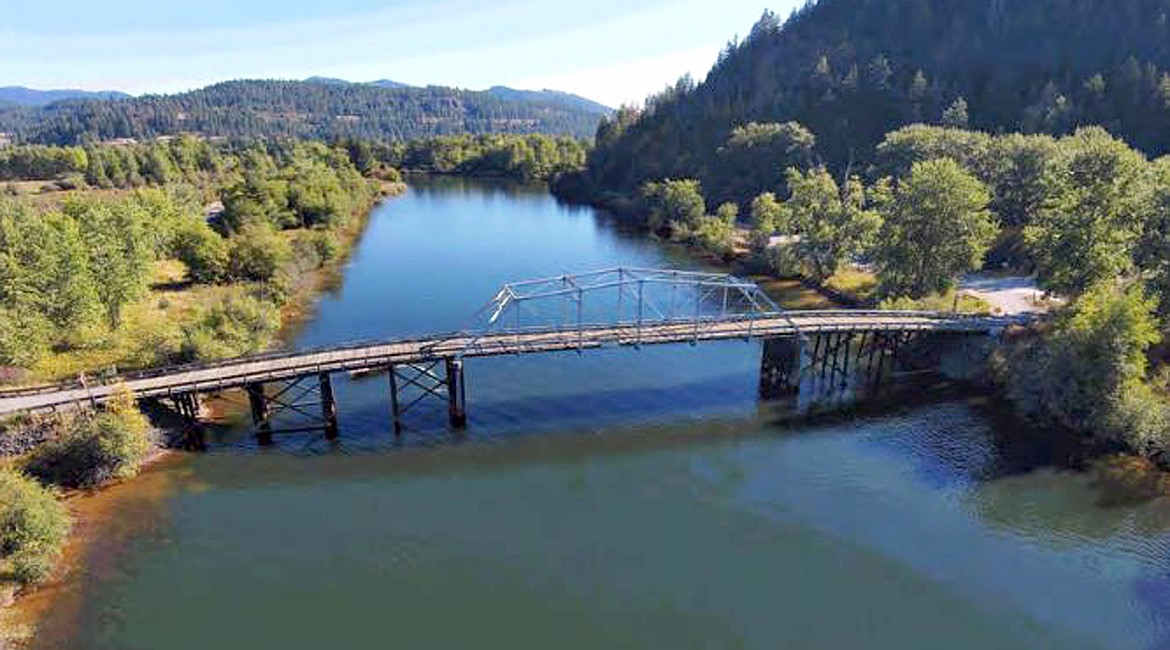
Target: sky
x=612, y=51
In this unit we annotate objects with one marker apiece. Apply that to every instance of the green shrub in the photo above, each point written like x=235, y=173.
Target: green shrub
x=95, y=449
x=1088, y=373
x=24, y=337
x=204, y=252
x=235, y=325
x=257, y=253
x=33, y=526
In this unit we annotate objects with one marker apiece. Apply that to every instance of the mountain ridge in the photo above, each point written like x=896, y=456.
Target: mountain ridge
x=24, y=96
x=319, y=107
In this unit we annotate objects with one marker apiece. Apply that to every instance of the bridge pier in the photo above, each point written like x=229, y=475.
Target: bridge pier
x=780, y=364
x=260, y=414
x=328, y=407
x=456, y=396
x=412, y=383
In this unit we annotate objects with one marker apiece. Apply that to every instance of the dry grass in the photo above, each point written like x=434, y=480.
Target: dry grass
x=855, y=283
x=792, y=294
x=966, y=303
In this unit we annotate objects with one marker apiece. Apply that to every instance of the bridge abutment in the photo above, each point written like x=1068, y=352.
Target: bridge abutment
x=780, y=363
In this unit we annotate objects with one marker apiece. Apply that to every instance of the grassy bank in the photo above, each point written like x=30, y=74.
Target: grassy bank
x=87, y=451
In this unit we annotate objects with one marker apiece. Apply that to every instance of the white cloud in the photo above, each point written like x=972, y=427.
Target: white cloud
x=629, y=82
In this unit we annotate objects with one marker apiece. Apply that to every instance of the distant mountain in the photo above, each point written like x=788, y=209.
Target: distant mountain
x=503, y=92
x=326, y=80
x=386, y=83
x=319, y=108
x=22, y=96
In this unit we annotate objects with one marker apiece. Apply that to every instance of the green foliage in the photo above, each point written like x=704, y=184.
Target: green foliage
x=955, y=116
x=256, y=253
x=120, y=250
x=45, y=270
x=754, y=158
x=522, y=157
x=767, y=216
x=1086, y=232
x=95, y=448
x=833, y=224
x=33, y=527
x=257, y=199
x=851, y=71
x=1153, y=250
x=674, y=205
x=38, y=162
x=25, y=335
x=296, y=186
x=1087, y=374
x=62, y=267
x=203, y=251
x=1014, y=166
x=716, y=233
x=936, y=227
x=239, y=323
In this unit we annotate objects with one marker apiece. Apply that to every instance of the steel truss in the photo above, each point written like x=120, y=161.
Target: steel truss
x=568, y=306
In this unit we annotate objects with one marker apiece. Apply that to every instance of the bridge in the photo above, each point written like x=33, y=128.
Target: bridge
x=579, y=312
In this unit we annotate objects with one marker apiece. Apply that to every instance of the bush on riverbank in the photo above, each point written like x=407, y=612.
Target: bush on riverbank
x=95, y=448
x=33, y=526
x=238, y=323
x=1088, y=373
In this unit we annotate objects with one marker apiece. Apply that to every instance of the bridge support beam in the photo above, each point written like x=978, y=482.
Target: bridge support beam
x=414, y=383
x=456, y=409
x=328, y=407
x=780, y=365
x=259, y=404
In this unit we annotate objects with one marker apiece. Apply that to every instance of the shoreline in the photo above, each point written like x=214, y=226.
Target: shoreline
x=22, y=609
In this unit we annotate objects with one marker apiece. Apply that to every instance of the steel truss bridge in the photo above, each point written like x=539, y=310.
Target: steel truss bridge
x=572, y=312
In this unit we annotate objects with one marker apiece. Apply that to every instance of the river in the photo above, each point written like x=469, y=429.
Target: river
x=628, y=498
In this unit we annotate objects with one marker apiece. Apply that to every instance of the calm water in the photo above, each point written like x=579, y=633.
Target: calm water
x=617, y=499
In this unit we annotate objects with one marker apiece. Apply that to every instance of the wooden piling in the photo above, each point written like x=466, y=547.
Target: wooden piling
x=395, y=410
x=328, y=407
x=259, y=405
x=455, y=394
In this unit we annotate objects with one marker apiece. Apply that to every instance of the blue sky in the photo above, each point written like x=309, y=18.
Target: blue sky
x=613, y=51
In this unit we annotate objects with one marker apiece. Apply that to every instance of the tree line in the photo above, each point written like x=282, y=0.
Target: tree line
x=522, y=157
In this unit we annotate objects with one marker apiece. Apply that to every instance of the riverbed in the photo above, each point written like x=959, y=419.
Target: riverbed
x=621, y=498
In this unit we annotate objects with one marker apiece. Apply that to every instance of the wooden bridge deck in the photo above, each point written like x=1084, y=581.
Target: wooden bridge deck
x=234, y=373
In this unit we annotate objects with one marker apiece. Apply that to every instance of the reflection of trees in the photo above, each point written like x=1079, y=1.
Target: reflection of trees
x=1062, y=509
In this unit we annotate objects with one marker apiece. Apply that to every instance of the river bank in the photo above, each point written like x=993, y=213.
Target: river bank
x=20, y=607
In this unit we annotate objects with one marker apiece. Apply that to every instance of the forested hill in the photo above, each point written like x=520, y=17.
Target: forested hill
x=852, y=70
x=307, y=109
